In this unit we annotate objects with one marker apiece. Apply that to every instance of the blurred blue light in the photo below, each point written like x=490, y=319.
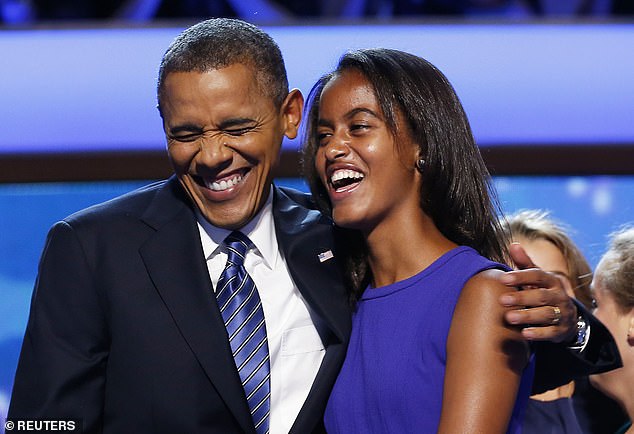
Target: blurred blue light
x=94, y=89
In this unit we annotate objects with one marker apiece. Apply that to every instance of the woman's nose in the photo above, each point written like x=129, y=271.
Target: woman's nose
x=337, y=147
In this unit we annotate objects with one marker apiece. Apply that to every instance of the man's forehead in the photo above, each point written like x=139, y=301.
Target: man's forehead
x=248, y=68
x=236, y=77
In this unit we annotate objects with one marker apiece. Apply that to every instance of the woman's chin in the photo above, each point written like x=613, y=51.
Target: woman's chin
x=349, y=221
x=344, y=220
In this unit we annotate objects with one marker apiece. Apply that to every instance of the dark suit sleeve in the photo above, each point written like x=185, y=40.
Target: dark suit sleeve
x=61, y=370
x=556, y=364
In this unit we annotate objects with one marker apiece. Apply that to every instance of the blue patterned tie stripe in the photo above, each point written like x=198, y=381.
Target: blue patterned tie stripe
x=242, y=313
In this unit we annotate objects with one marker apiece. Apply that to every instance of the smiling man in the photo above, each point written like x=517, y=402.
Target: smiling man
x=131, y=328
x=211, y=302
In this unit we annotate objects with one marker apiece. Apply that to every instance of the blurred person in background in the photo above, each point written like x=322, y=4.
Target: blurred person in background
x=550, y=247
x=613, y=291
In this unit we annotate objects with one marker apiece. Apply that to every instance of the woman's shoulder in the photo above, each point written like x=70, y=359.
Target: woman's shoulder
x=486, y=287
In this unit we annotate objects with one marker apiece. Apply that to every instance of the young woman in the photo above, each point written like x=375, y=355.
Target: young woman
x=390, y=155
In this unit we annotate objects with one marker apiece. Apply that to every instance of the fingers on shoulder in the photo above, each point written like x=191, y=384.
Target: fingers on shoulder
x=479, y=302
x=485, y=288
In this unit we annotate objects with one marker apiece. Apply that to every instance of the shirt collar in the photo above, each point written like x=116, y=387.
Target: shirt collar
x=260, y=230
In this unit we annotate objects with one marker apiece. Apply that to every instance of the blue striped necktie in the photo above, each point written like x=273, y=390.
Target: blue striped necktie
x=242, y=313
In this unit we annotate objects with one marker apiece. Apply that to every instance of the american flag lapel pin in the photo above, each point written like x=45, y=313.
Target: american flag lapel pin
x=324, y=256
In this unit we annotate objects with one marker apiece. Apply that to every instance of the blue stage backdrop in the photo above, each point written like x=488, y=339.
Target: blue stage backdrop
x=94, y=90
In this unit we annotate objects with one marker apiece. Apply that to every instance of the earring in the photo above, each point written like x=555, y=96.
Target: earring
x=420, y=165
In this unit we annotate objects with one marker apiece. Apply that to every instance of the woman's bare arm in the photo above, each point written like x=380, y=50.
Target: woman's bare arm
x=485, y=359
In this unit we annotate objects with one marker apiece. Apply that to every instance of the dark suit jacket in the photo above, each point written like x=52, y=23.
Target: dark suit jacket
x=556, y=365
x=124, y=330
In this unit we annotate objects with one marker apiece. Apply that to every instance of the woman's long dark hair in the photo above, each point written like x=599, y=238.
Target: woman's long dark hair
x=456, y=187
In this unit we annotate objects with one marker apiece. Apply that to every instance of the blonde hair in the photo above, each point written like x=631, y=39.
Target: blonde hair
x=617, y=267
x=538, y=225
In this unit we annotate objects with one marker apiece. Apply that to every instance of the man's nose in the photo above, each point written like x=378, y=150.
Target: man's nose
x=214, y=151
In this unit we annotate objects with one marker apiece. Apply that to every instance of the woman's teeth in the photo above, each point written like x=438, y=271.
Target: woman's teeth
x=343, y=177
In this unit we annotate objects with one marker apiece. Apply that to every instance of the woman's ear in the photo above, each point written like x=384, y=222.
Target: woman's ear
x=292, y=112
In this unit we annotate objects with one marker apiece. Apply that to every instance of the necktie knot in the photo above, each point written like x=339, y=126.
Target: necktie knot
x=237, y=245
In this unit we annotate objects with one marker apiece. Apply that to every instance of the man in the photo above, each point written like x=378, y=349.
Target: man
x=131, y=328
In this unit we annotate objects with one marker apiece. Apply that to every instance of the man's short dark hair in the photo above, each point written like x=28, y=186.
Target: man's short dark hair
x=221, y=42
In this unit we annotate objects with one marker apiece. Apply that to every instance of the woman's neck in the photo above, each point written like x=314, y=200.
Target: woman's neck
x=401, y=248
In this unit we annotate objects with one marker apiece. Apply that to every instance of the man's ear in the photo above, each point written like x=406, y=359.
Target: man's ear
x=292, y=112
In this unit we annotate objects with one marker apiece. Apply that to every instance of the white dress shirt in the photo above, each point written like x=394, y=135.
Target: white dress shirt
x=295, y=347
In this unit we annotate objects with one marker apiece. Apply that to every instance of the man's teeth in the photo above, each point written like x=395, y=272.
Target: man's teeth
x=345, y=174
x=224, y=185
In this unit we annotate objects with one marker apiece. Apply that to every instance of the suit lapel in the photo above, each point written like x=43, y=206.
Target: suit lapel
x=176, y=264
x=306, y=240
x=305, y=237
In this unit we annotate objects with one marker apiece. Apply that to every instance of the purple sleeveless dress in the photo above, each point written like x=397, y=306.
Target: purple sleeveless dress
x=392, y=378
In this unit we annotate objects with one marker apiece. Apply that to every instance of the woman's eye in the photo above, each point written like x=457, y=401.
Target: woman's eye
x=322, y=138
x=359, y=127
